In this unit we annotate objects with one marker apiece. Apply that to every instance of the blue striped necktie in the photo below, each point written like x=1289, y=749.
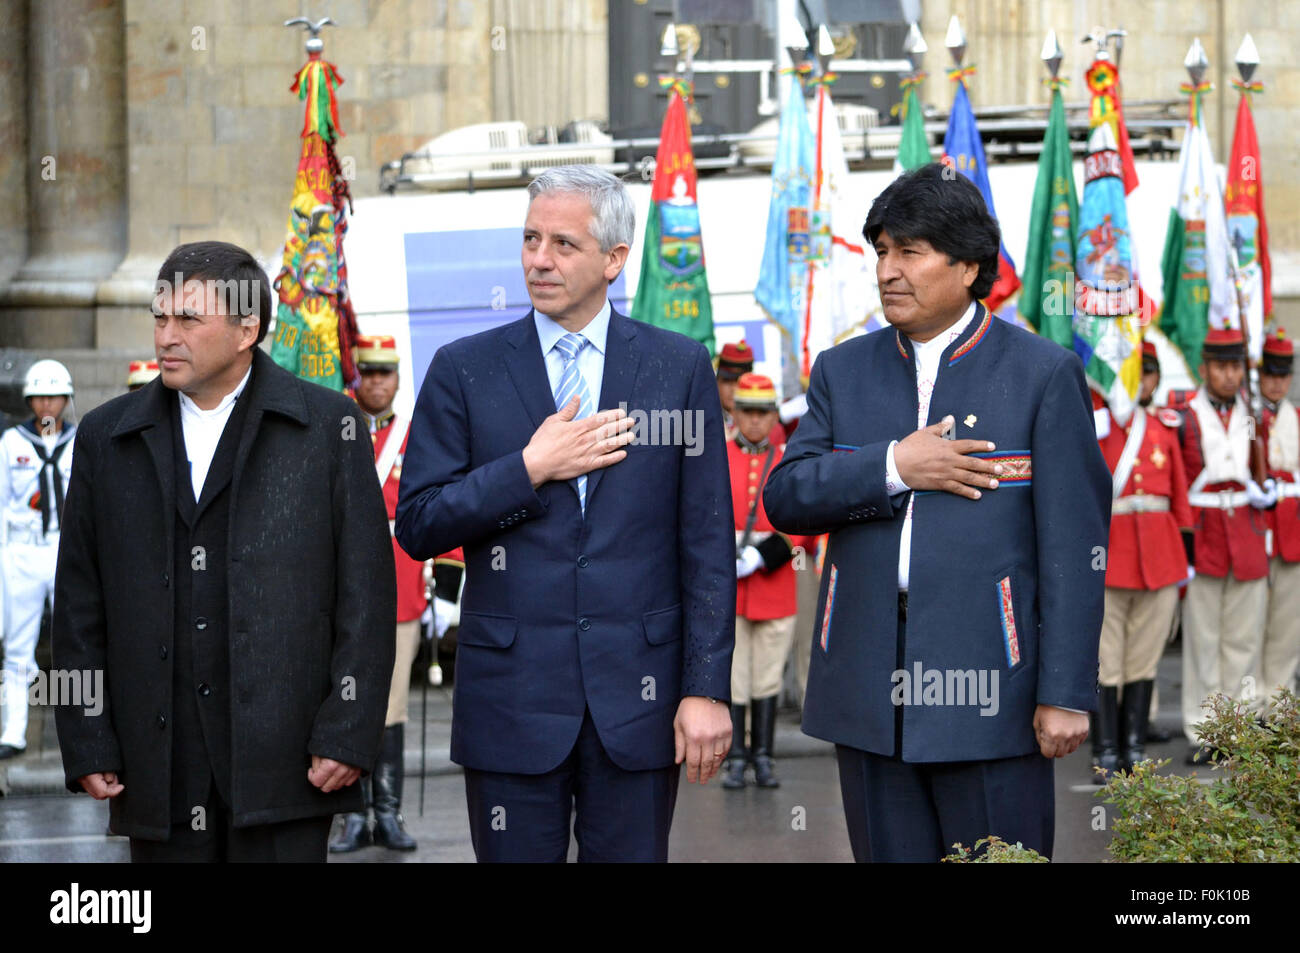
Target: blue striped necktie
x=571, y=383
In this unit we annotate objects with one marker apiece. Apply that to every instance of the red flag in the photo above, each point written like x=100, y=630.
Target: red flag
x=1244, y=200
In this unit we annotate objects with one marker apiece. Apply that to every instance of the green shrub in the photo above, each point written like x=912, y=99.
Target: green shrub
x=1250, y=812
x=997, y=851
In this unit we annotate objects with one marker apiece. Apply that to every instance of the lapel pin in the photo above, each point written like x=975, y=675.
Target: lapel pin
x=970, y=420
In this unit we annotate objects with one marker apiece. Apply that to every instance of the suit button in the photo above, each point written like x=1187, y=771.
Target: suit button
x=162, y=722
x=204, y=690
x=162, y=652
x=200, y=623
x=583, y=562
x=871, y=511
x=166, y=580
x=584, y=624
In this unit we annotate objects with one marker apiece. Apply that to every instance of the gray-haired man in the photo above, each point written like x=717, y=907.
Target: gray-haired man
x=598, y=615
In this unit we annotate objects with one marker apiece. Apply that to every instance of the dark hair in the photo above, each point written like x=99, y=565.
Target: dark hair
x=940, y=205
x=242, y=285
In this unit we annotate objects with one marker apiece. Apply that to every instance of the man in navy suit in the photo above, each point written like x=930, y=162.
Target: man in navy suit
x=954, y=462
x=598, y=616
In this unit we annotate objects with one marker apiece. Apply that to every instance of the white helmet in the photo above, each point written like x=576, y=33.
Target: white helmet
x=47, y=379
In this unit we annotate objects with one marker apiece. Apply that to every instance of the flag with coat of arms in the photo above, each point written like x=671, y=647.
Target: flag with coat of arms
x=673, y=290
x=841, y=295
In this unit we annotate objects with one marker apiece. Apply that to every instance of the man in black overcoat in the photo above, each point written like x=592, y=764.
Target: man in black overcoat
x=226, y=564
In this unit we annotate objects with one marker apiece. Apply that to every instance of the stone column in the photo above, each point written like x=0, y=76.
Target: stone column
x=75, y=173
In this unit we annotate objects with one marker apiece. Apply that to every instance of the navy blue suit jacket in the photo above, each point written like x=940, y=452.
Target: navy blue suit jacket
x=623, y=612
x=1010, y=585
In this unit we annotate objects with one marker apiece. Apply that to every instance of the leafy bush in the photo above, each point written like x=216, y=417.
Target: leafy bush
x=997, y=851
x=1251, y=811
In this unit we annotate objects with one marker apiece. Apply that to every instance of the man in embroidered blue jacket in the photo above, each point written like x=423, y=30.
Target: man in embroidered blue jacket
x=954, y=462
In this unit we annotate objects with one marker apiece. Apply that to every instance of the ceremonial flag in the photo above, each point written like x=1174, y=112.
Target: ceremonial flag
x=1244, y=204
x=964, y=150
x=673, y=291
x=783, y=277
x=842, y=290
x=315, y=327
x=1107, y=324
x=913, y=145
x=1049, y=259
x=1198, y=288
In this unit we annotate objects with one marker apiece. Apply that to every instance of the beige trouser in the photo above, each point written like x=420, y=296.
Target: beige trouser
x=1280, y=655
x=408, y=644
x=808, y=584
x=1223, y=629
x=1133, y=633
x=759, y=658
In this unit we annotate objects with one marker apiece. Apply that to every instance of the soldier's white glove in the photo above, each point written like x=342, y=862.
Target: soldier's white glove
x=445, y=615
x=1261, y=497
x=748, y=562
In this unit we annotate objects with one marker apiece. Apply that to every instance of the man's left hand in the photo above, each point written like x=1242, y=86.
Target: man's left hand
x=1059, y=731
x=703, y=730
x=330, y=775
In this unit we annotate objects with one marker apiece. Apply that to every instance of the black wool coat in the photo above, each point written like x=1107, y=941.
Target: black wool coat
x=311, y=600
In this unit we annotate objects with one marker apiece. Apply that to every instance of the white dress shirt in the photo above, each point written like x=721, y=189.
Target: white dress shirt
x=202, y=431
x=928, y=354
x=591, y=360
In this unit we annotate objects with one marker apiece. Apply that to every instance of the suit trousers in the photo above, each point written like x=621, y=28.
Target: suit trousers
x=1134, y=631
x=1223, y=631
x=1280, y=655
x=620, y=815
x=898, y=811
x=758, y=660
x=218, y=841
x=399, y=693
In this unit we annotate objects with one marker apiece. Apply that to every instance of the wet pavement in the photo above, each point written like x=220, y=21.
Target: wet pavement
x=801, y=821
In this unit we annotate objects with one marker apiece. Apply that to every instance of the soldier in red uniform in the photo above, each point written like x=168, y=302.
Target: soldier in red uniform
x=1227, y=600
x=1145, y=563
x=1280, y=654
x=765, y=587
x=377, y=360
x=737, y=358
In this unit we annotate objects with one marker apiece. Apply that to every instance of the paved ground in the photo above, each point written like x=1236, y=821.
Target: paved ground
x=39, y=821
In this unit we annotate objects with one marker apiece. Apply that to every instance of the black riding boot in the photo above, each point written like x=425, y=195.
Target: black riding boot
x=387, y=781
x=764, y=730
x=1105, y=725
x=1137, y=711
x=356, y=827
x=734, y=778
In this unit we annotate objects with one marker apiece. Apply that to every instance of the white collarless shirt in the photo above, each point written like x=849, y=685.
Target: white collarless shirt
x=202, y=431
x=928, y=355
x=591, y=360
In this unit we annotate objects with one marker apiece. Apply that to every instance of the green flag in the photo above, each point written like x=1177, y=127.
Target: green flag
x=913, y=146
x=1199, y=294
x=673, y=290
x=1048, y=285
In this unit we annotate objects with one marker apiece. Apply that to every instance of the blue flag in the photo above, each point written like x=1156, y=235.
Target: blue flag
x=964, y=147
x=783, y=279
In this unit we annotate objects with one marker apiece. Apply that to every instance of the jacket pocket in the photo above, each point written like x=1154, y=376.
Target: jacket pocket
x=663, y=625
x=1006, y=591
x=486, y=630
x=824, y=633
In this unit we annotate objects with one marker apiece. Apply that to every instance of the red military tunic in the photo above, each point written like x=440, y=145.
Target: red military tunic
x=1284, y=519
x=1227, y=541
x=762, y=594
x=410, y=572
x=1146, y=549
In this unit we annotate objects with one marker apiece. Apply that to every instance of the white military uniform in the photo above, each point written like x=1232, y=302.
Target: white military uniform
x=34, y=472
